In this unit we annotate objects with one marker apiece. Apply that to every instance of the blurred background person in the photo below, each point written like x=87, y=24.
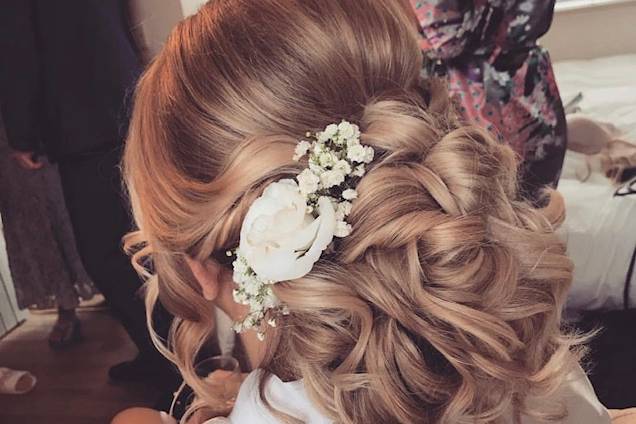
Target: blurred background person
x=45, y=266
x=499, y=75
x=66, y=71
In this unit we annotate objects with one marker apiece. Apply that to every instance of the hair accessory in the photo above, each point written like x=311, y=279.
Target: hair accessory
x=286, y=230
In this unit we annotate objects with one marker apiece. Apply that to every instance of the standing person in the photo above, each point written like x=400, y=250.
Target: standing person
x=65, y=72
x=45, y=266
x=501, y=77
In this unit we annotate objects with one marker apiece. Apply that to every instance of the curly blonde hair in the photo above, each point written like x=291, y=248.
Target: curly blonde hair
x=443, y=306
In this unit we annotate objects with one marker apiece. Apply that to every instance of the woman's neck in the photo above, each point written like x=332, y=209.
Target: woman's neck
x=254, y=348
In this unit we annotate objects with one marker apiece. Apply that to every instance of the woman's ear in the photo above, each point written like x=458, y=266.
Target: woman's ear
x=208, y=275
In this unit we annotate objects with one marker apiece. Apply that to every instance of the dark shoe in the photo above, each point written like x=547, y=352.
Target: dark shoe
x=145, y=369
x=131, y=371
x=65, y=333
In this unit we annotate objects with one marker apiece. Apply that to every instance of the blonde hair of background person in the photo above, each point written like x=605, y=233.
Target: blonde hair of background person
x=442, y=306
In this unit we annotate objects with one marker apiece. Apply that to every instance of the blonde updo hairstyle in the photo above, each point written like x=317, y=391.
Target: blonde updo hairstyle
x=442, y=306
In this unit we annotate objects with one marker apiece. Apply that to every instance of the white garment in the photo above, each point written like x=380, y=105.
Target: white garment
x=225, y=335
x=287, y=397
x=577, y=392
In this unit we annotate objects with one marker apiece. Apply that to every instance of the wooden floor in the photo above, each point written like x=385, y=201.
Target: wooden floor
x=73, y=386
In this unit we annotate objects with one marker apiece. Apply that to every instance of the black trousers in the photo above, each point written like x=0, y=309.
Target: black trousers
x=99, y=215
x=610, y=362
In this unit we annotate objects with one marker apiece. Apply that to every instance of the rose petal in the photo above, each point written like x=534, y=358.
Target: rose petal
x=324, y=236
x=269, y=205
x=274, y=265
x=282, y=264
x=303, y=239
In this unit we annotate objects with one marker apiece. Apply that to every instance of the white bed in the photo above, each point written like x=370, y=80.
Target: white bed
x=600, y=229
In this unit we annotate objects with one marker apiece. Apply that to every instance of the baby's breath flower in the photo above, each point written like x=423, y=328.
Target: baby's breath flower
x=328, y=134
x=240, y=265
x=239, y=297
x=349, y=194
x=359, y=171
x=353, y=142
x=252, y=286
x=325, y=159
x=348, y=132
x=342, y=229
x=332, y=178
x=301, y=149
x=318, y=149
x=308, y=182
x=356, y=153
x=343, y=166
x=343, y=209
x=269, y=299
x=368, y=154
x=315, y=168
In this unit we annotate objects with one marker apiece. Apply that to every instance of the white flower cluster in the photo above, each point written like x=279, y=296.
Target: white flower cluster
x=286, y=229
x=253, y=291
x=336, y=160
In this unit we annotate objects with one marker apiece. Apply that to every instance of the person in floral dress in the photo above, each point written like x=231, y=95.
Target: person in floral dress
x=501, y=78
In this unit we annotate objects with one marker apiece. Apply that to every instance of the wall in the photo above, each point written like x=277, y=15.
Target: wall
x=189, y=7
x=585, y=29
x=154, y=19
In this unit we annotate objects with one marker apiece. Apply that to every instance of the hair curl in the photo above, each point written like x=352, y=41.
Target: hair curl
x=443, y=306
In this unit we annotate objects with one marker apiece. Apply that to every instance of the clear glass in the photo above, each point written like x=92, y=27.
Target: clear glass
x=224, y=374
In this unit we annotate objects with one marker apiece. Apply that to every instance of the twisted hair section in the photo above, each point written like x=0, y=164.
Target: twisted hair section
x=442, y=306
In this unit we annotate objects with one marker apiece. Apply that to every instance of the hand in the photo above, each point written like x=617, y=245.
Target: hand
x=27, y=160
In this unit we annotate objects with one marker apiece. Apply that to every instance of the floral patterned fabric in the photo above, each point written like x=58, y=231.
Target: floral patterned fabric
x=501, y=78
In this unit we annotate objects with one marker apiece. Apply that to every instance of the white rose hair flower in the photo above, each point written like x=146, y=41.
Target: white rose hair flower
x=286, y=230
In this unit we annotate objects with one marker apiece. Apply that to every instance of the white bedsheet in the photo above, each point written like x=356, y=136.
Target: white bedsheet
x=608, y=85
x=600, y=229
